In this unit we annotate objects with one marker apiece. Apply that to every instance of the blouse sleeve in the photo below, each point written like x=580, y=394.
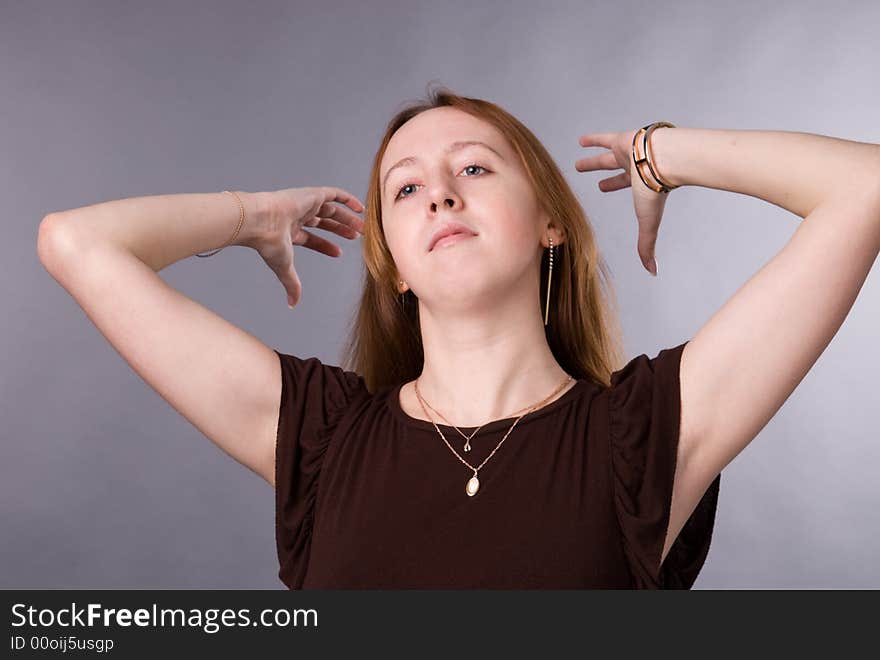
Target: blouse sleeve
x=314, y=398
x=644, y=417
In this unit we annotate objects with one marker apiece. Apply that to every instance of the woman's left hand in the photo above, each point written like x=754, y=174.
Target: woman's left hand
x=648, y=204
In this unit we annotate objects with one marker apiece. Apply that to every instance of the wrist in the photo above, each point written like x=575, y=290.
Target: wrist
x=255, y=210
x=663, y=164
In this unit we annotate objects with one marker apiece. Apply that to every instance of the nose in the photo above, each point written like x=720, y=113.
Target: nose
x=446, y=199
x=442, y=193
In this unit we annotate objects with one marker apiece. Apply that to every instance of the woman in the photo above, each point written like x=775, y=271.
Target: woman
x=483, y=435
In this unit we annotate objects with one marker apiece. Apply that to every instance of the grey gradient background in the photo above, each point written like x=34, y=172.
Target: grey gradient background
x=103, y=485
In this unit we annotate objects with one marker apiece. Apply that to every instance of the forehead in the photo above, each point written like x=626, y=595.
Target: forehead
x=430, y=131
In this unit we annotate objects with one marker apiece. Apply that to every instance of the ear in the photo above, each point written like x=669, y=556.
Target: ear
x=555, y=231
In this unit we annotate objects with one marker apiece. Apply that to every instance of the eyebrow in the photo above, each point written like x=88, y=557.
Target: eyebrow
x=455, y=146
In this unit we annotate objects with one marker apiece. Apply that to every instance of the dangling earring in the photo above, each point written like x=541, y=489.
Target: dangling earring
x=401, y=294
x=549, y=278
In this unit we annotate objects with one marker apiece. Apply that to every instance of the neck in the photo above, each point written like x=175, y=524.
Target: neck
x=484, y=361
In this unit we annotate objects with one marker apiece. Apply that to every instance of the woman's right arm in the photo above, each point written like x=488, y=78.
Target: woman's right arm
x=222, y=379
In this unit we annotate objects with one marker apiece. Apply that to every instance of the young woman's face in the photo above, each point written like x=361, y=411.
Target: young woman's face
x=482, y=187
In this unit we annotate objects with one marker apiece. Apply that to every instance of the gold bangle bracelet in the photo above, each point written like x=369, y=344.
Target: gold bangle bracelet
x=237, y=229
x=648, y=158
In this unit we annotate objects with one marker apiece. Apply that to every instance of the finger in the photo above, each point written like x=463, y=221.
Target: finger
x=646, y=245
x=318, y=244
x=292, y=285
x=596, y=140
x=341, y=215
x=605, y=161
x=336, y=227
x=288, y=276
x=345, y=197
x=613, y=183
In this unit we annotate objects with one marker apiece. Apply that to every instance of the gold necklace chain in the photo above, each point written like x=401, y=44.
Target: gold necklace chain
x=467, y=445
x=473, y=483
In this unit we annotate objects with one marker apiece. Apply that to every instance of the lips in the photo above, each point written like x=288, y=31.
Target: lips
x=449, y=229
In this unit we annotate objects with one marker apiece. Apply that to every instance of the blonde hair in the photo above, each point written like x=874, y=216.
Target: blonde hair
x=583, y=330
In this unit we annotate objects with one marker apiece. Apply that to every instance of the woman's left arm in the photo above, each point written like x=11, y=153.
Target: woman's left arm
x=741, y=366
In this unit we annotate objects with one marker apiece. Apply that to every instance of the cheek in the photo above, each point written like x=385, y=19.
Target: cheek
x=512, y=225
x=404, y=243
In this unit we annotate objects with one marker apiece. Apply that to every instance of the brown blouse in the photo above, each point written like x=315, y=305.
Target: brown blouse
x=577, y=497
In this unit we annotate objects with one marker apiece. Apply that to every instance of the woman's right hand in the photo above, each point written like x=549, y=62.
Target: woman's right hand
x=280, y=227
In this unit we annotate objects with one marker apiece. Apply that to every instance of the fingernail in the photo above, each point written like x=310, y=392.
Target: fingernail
x=653, y=265
x=288, y=303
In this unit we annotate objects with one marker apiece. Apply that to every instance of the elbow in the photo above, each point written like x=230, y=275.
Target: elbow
x=47, y=229
x=53, y=240
x=43, y=232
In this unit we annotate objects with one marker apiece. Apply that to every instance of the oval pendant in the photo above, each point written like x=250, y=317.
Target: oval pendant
x=473, y=485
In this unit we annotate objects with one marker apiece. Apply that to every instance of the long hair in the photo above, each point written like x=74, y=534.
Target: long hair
x=583, y=330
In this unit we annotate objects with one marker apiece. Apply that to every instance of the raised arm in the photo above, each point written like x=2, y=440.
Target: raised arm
x=741, y=366
x=222, y=379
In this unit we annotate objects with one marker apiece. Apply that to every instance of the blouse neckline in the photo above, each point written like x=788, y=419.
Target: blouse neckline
x=495, y=425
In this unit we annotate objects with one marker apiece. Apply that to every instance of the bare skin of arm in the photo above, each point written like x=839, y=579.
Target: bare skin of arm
x=223, y=380
x=742, y=365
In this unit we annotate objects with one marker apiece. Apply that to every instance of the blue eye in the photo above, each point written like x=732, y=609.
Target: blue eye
x=398, y=196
